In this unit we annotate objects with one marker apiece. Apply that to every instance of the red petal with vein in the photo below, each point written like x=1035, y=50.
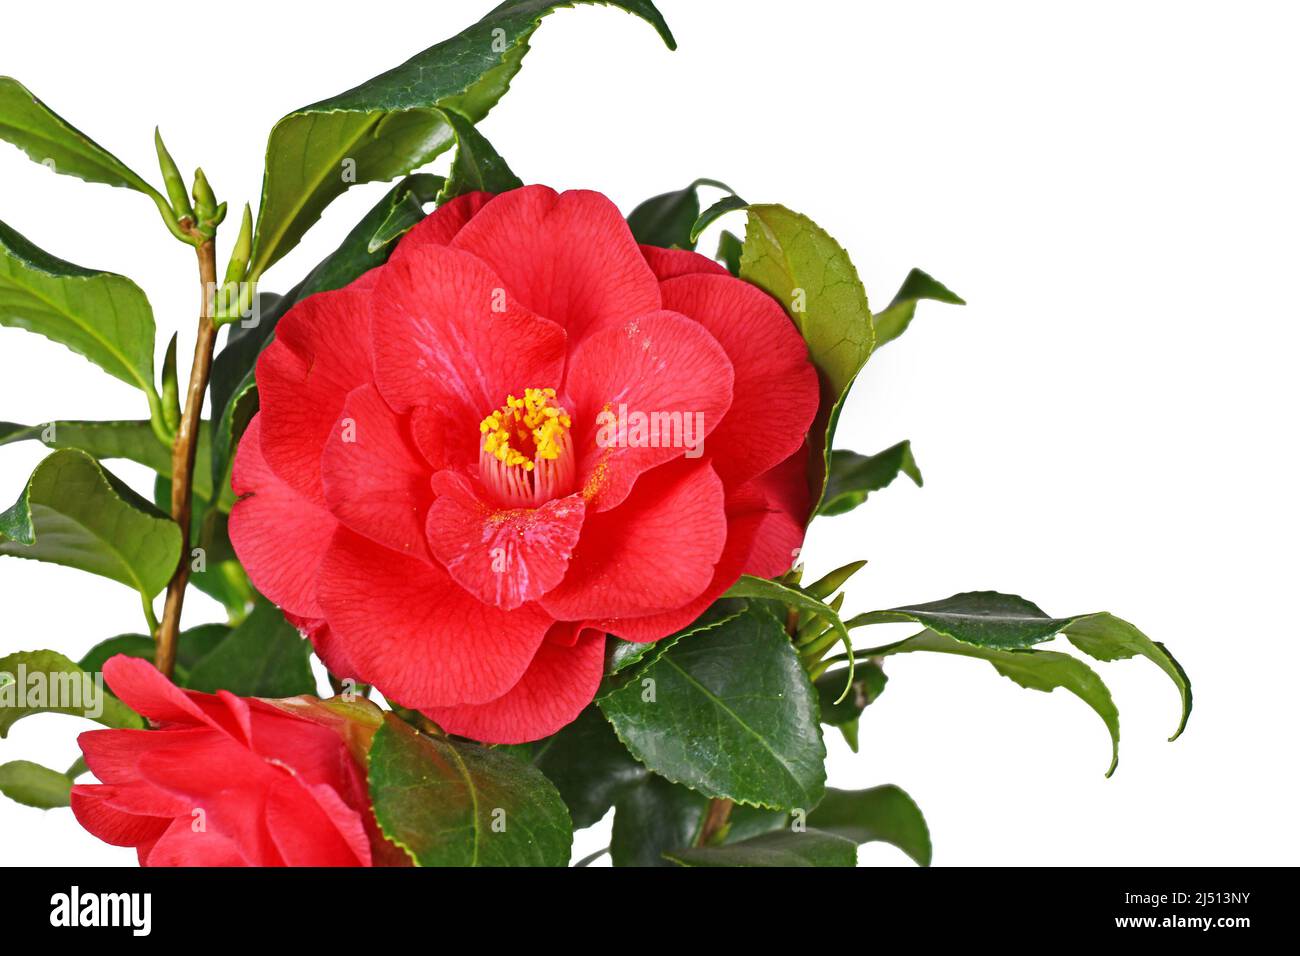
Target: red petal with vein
x=780, y=537
x=376, y=480
x=560, y=682
x=503, y=556
x=775, y=389
x=320, y=353
x=746, y=511
x=670, y=263
x=655, y=552
x=280, y=535
x=440, y=226
x=415, y=633
x=662, y=363
x=568, y=256
x=444, y=330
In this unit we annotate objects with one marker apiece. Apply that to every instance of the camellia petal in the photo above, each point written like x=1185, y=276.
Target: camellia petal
x=504, y=556
x=654, y=552
x=643, y=394
x=440, y=226
x=775, y=385
x=670, y=263
x=280, y=535
x=444, y=328
x=376, y=480
x=320, y=353
x=418, y=635
x=559, y=683
x=568, y=256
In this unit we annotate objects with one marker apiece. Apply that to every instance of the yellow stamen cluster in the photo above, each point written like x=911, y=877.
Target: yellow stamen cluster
x=532, y=424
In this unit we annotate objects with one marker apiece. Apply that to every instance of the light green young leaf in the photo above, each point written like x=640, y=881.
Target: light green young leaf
x=46, y=682
x=35, y=786
x=103, y=316
x=73, y=512
x=894, y=320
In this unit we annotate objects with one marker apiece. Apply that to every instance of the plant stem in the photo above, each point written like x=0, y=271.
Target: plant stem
x=183, y=451
x=714, y=821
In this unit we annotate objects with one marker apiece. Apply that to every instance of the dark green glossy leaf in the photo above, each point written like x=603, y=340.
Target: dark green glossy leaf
x=985, y=618
x=75, y=513
x=883, y=813
x=46, y=682
x=53, y=142
x=666, y=220
x=779, y=848
x=715, y=212
x=853, y=477
x=102, y=316
x=132, y=440
x=868, y=684
x=1032, y=669
x=809, y=273
x=264, y=656
x=407, y=201
x=729, y=713
x=651, y=817
x=894, y=320
x=624, y=654
x=762, y=589
x=192, y=645
x=458, y=804
x=730, y=250
x=35, y=786
x=589, y=766
x=990, y=619
x=477, y=166
x=393, y=124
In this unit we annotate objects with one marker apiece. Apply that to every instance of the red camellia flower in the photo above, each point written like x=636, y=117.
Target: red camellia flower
x=522, y=433
x=226, y=780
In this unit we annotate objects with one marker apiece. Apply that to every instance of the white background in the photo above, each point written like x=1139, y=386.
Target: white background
x=1108, y=425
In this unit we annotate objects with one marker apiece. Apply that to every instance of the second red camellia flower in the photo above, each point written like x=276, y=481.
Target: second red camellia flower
x=522, y=433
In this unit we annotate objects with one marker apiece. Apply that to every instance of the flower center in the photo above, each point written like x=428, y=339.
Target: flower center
x=526, y=454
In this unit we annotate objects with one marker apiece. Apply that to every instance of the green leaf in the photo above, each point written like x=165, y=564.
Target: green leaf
x=985, y=618
x=407, y=201
x=654, y=816
x=46, y=682
x=990, y=619
x=477, y=166
x=780, y=848
x=762, y=589
x=394, y=123
x=883, y=813
x=191, y=645
x=666, y=220
x=624, y=654
x=728, y=712
x=75, y=513
x=458, y=804
x=589, y=766
x=1108, y=638
x=730, y=250
x=844, y=714
x=51, y=141
x=1031, y=669
x=264, y=656
x=853, y=477
x=715, y=212
x=103, y=316
x=894, y=320
x=35, y=786
x=808, y=272
x=133, y=440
